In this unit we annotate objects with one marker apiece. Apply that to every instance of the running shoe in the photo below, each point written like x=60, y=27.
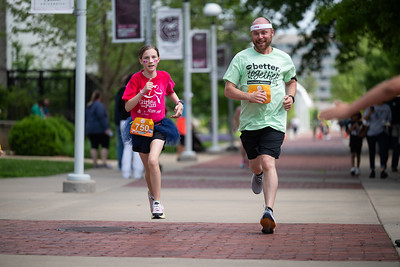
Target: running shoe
x=357, y=172
x=353, y=171
x=384, y=174
x=151, y=199
x=158, y=210
x=256, y=183
x=268, y=221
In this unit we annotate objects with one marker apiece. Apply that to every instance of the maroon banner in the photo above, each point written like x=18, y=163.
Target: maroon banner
x=127, y=21
x=200, y=62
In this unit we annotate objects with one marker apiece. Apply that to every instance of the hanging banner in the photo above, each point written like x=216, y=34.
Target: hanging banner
x=127, y=21
x=200, y=50
x=52, y=7
x=170, y=33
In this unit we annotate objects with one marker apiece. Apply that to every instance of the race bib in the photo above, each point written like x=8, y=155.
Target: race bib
x=261, y=87
x=143, y=127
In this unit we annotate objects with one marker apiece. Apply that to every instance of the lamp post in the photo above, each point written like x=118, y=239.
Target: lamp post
x=78, y=181
x=230, y=26
x=188, y=154
x=213, y=10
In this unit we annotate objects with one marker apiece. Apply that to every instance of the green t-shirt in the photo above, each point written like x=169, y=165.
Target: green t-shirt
x=250, y=68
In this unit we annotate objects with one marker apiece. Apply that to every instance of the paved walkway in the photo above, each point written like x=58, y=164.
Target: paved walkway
x=325, y=216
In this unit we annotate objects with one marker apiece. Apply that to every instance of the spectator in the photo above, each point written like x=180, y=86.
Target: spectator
x=378, y=118
x=98, y=129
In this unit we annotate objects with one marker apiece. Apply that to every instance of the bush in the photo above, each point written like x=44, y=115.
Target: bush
x=42, y=137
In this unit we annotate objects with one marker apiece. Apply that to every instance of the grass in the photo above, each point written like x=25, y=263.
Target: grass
x=11, y=168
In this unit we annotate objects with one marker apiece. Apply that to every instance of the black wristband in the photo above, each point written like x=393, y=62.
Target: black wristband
x=292, y=97
x=180, y=100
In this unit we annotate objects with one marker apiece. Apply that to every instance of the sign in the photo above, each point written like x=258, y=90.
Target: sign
x=127, y=21
x=170, y=33
x=200, y=58
x=52, y=6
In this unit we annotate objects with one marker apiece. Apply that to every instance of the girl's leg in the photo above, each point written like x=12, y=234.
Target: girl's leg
x=353, y=156
x=152, y=168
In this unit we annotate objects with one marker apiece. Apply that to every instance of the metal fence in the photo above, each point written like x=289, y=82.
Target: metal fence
x=56, y=85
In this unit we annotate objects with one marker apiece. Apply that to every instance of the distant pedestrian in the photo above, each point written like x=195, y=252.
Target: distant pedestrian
x=264, y=79
x=98, y=129
x=395, y=132
x=145, y=99
x=130, y=160
x=354, y=128
x=378, y=118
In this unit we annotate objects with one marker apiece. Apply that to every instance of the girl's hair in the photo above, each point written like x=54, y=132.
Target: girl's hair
x=147, y=47
x=95, y=96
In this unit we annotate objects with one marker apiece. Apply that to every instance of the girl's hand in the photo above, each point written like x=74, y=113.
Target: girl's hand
x=178, y=110
x=148, y=87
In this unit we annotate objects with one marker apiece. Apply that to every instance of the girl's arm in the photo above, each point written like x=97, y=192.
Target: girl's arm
x=178, y=105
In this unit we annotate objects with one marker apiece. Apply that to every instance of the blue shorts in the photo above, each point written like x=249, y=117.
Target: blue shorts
x=266, y=141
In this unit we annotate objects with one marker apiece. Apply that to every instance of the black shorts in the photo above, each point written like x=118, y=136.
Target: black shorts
x=99, y=139
x=144, y=142
x=266, y=141
x=355, y=144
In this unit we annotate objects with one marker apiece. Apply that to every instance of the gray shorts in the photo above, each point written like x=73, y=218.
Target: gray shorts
x=266, y=141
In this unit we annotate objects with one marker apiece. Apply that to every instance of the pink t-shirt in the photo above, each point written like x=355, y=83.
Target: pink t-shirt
x=152, y=105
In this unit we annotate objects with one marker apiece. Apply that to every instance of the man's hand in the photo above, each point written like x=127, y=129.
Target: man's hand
x=287, y=102
x=259, y=97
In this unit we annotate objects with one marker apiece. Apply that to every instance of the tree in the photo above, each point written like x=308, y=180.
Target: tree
x=113, y=61
x=343, y=22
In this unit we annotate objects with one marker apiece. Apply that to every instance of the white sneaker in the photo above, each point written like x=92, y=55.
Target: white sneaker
x=268, y=221
x=158, y=210
x=353, y=171
x=357, y=172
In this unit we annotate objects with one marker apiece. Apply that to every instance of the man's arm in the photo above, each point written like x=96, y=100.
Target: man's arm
x=291, y=88
x=234, y=93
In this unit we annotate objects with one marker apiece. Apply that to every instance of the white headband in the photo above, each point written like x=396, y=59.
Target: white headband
x=260, y=26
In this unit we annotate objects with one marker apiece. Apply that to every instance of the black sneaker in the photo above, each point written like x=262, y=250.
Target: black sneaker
x=383, y=174
x=372, y=174
x=268, y=221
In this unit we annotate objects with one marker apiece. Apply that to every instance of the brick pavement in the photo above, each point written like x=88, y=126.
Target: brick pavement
x=297, y=242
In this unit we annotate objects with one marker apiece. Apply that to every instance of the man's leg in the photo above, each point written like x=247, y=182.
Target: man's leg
x=270, y=181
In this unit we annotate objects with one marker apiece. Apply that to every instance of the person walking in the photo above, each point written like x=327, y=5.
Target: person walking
x=150, y=130
x=264, y=79
x=130, y=160
x=354, y=128
x=378, y=118
x=97, y=129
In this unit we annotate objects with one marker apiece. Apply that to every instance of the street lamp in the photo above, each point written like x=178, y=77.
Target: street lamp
x=230, y=26
x=188, y=154
x=213, y=10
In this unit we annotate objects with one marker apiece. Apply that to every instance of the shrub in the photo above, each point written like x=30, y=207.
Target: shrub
x=43, y=137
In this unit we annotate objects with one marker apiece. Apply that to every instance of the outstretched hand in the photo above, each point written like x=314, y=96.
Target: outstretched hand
x=340, y=111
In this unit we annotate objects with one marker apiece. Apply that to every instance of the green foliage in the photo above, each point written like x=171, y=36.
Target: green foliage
x=43, y=137
x=35, y=168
